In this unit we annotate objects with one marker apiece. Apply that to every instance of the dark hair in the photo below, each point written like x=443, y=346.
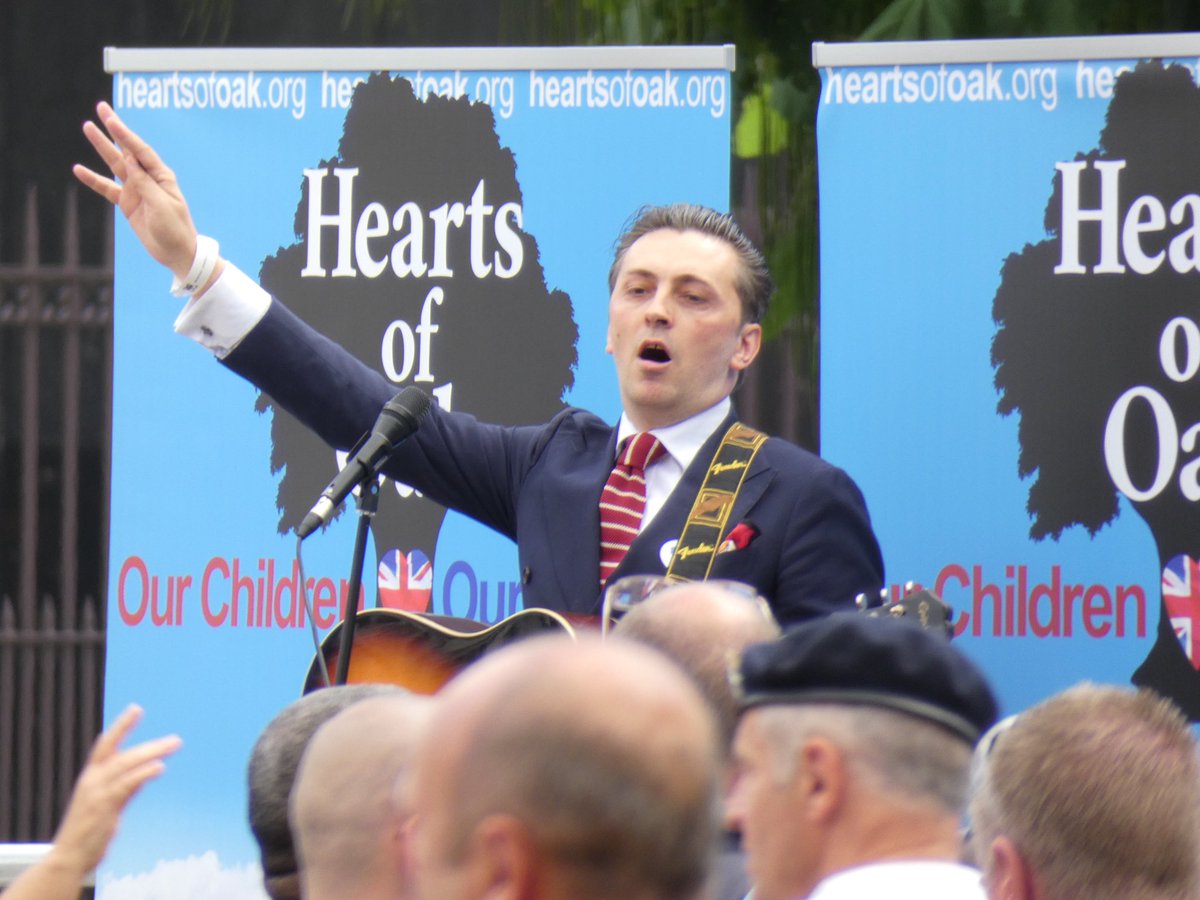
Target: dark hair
x=754, y=285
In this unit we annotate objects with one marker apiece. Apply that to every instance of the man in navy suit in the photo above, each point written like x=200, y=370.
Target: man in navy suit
x=687, y=293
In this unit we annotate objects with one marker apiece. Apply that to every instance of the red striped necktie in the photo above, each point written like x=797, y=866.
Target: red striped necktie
x=623, y=500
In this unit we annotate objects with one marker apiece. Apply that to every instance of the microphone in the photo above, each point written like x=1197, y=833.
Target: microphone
x=398, y=419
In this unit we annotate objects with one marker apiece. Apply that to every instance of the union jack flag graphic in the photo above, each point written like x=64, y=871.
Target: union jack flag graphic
x=1181, y=594
x=405, y=582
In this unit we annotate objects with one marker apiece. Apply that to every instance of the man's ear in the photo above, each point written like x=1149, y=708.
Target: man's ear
x=502, y=864
x=608, y=328
x=749, y=343
x=400, y=837
x=1008, y=874
x=822, y=778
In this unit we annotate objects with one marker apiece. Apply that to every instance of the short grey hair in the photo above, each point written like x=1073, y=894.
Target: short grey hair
x=895, y=752
x=271, y=773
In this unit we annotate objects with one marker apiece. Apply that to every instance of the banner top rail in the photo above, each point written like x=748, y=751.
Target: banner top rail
x=887, y=53
x=376, y=59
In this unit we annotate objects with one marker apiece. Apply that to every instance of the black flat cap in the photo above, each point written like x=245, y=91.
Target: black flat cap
x=849, y=658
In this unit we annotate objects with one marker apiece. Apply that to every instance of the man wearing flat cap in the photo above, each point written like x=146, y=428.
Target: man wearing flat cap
x=852, y=756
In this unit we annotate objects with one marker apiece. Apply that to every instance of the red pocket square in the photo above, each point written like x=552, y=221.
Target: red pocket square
x=739, y=539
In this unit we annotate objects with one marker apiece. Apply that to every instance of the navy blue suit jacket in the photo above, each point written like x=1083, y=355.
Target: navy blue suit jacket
x=540, y=485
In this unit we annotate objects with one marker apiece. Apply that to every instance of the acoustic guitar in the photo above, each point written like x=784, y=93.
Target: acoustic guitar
x=422, y=651
x=927, y=608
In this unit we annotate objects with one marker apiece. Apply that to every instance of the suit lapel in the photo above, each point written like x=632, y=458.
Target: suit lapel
x=758, y=479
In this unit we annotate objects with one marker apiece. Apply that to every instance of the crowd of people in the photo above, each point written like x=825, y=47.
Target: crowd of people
x=717, y=744
x=852, y=756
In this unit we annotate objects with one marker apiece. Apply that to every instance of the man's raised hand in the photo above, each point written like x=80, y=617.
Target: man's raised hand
x=143, y=187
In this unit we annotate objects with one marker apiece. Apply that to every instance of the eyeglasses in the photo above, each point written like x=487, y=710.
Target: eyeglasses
x=623, y=594
x=978, y=776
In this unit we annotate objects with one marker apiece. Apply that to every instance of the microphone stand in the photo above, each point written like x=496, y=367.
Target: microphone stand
x=368, y=503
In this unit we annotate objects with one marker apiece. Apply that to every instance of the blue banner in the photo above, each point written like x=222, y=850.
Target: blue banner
x=1009, y=249
x=451, y=221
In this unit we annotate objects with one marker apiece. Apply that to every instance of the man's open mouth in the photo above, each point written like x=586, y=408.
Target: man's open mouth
x=653, y=351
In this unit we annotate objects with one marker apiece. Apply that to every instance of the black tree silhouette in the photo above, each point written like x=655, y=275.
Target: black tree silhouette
x=1079, y=354
x=503, y=341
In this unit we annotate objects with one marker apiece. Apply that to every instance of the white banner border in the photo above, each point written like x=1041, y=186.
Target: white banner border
x=904, y=53
x=404, y=59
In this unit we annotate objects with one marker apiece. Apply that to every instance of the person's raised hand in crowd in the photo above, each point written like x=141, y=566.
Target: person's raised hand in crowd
x=109, y=780
x=144, y=188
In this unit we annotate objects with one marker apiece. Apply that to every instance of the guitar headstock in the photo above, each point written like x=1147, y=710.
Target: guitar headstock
x=922, y=605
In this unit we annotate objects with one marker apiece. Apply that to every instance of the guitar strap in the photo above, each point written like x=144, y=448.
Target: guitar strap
x=697, y=547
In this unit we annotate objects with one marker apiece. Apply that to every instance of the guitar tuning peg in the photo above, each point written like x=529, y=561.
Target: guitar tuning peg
x=909, y=586
x=860, y=602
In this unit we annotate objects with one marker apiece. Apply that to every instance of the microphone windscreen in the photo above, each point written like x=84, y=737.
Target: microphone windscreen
x=401, y=415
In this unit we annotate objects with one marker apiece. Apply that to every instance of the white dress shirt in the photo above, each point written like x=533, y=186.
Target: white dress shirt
x=225, y=313
x=907, y=880
x=682, y=442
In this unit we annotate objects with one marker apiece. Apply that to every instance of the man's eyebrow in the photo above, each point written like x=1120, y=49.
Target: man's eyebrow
x=685, y=280
x=637, y=273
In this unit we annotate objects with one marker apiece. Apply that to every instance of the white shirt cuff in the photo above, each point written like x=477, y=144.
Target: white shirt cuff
x=225, y=313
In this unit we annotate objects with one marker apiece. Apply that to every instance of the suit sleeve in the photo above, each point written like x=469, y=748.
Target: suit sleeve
x=830, y=553
x=453, y=459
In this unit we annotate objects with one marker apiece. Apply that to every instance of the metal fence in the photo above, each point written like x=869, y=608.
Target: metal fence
x=55, y=427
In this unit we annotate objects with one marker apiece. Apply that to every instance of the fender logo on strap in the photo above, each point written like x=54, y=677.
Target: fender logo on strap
x=719, y=468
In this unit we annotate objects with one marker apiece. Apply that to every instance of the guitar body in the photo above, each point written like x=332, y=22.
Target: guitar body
x=422, y=651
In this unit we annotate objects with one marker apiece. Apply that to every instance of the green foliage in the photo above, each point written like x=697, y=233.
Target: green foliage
x=910, y=20
x=761, y=129
x=209, y=19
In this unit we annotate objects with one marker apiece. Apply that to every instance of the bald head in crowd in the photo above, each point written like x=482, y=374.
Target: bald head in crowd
x=556, y=769
x=349, y=809
x=1094, y=793
x=704, y=628
x=272, y=771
